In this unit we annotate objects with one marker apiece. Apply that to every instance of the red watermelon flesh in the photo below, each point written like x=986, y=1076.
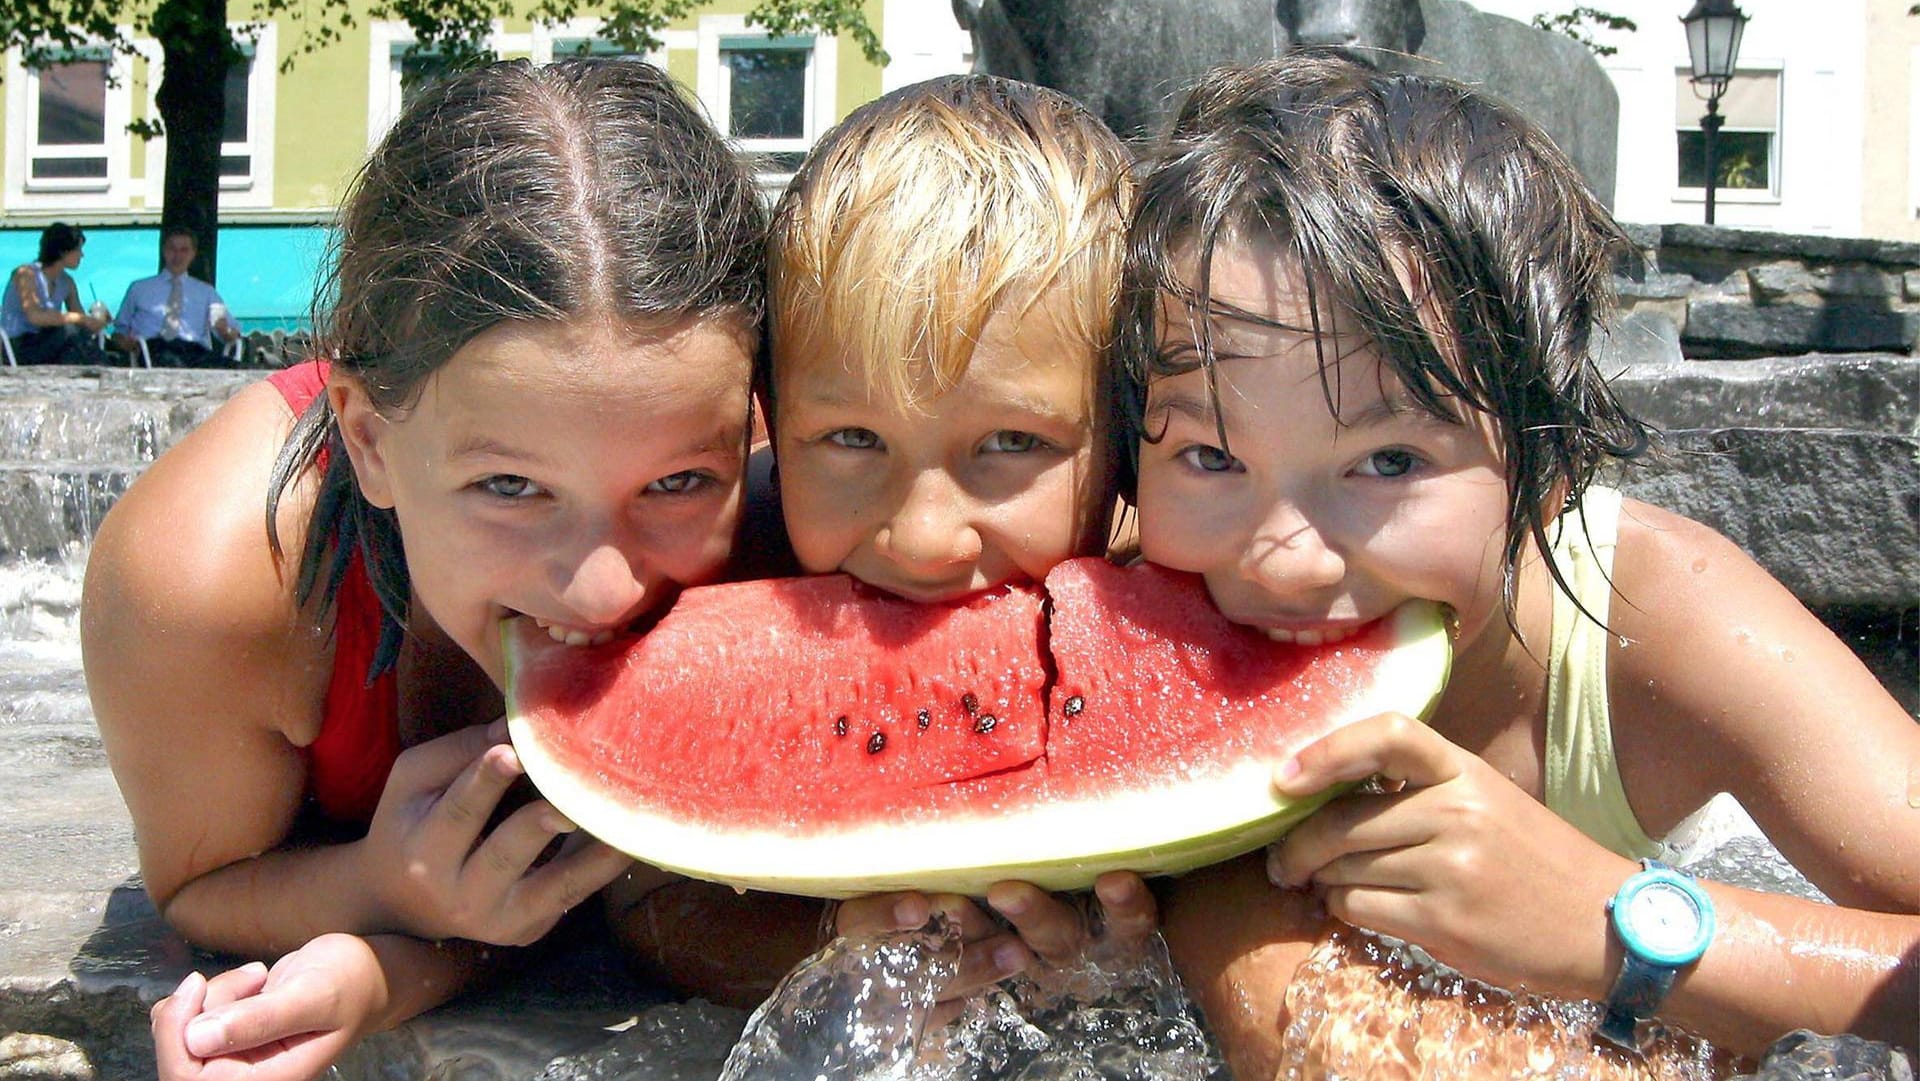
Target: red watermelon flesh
x=816, y=736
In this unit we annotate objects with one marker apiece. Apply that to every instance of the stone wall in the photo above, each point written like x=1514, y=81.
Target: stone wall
x=1732, y=293
x=1781, y=370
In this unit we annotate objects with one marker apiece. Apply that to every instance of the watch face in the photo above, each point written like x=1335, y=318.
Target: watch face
x=1663, y=920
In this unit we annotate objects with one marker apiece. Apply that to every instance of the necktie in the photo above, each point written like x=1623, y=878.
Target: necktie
x=170, y=327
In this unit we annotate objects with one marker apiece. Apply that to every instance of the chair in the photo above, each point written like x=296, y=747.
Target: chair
x=234, y=351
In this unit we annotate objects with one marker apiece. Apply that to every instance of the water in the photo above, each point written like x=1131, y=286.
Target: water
x=865, y=1010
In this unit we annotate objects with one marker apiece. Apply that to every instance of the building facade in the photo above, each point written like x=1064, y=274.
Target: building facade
x=293, y=139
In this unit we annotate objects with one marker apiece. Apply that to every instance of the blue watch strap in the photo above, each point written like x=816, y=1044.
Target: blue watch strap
x=1637, y=994
x=1648, y=970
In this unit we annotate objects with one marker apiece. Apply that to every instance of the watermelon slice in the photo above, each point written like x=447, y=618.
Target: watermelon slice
x=814, y=736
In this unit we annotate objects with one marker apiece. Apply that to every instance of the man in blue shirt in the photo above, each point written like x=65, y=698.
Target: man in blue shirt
x=175, y=313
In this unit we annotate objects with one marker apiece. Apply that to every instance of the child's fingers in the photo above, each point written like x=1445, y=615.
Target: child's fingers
x=235, y=984
x=1390, y=744
x=169, y=1018
x=879, y=913
x=985, y=962
x=1128, y=910
x=1053, y=929
x=461, y=813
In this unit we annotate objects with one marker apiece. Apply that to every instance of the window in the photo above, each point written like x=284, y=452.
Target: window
x=772, y=96
x=236, y=144
x=396, y=74
x=1747, y=150
x=763, y=87
x=67, y=115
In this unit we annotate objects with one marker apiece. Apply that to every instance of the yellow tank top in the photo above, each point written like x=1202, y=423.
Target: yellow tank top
x=1583, y=776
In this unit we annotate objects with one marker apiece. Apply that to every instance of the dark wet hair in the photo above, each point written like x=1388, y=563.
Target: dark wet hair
x=1374, y=182
x=512, y=193
x=58, y=239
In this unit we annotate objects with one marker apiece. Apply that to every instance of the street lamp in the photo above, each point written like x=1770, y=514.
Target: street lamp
x=1713, y=43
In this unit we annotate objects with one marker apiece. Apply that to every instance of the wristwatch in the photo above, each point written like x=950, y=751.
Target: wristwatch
x=1665, y=920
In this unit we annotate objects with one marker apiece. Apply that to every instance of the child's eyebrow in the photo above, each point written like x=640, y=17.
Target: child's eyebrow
x=1191, y=406
x=1388, y=410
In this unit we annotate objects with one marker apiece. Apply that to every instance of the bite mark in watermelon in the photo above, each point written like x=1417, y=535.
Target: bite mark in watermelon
x=814, y=736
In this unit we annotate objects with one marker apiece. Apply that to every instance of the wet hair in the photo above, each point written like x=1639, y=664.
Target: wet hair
x=1425, y=218
x=58, y=239
x=512, y=193
x=927, y=211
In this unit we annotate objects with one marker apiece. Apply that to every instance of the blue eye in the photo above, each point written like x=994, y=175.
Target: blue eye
x=509, y=486
x=855, y=438
x=1210, y=459
x=1388, y=463
x=1007, y=441
x=680, y=483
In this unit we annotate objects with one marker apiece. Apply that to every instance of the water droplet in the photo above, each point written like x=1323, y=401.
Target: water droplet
x=1699, y=565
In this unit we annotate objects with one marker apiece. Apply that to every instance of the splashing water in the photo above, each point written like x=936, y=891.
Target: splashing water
x=862, y=1010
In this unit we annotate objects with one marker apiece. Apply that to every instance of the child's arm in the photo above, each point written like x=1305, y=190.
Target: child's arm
x=1725, y=683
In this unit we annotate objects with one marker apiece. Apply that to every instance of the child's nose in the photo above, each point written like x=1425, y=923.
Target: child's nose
x=603, y=586
x=1289, y=550
x=931, y=527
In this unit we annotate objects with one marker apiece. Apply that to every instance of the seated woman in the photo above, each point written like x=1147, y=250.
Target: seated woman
x=41, y=314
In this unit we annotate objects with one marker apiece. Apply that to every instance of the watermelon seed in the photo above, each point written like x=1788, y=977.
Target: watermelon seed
x=922, y=719
x=840, y=726
x=876, y=743
x=971, y=703
x=985, y=722
x=1075, y=705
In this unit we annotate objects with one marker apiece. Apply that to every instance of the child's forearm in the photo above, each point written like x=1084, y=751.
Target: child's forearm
x=708, y=940
x=1779, y=963
x=275, y=902
x=420, y=975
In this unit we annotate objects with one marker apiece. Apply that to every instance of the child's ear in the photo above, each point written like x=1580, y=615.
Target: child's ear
x=364, y=432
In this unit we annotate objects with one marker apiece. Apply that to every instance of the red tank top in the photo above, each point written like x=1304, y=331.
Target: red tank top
x=348, y=762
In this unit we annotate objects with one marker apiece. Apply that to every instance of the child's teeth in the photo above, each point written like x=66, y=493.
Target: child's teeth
x=1307, y=638
x=1280, y=634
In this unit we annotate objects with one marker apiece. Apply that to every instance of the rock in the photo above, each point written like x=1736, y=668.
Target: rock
x=1725, y=329
x=26, y=1056
x=1806, y=1056
x=1875, y=392
x=1643, y=339
x=1795, y=499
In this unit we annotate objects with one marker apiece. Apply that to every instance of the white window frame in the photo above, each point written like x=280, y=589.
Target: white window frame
x=387, y=43
x=260, y=41
x=1776, y=157
x=714, y=83
x=114, y=191
x=556, y=41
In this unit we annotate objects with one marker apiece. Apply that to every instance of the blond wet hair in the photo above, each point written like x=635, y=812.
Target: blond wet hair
x=930, y=210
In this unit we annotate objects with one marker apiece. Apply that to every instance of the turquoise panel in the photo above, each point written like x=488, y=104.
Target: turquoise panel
x=268, y=273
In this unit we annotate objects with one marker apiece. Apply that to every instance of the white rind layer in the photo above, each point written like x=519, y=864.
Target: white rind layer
x=1176, y=826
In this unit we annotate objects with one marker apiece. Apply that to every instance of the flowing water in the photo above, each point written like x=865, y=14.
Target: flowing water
x=70, y=442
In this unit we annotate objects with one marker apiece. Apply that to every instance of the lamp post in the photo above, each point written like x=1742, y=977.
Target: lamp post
x=1713, y=28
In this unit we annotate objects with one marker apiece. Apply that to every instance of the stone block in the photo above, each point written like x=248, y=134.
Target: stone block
x=1774, y=281
x=1720, y=329
x=1834, y=515
x=1860, y=391
x=1656, y=285
x=1641, y=338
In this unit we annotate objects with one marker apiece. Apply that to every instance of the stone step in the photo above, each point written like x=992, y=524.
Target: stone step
x=95, y=415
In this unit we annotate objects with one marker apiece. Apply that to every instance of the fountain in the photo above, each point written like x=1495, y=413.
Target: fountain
x=83, y=955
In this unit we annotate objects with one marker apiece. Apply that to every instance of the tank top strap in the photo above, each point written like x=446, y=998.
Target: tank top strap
x=1582, y=782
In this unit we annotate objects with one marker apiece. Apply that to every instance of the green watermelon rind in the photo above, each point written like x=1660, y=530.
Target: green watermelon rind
x=1175, y=827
